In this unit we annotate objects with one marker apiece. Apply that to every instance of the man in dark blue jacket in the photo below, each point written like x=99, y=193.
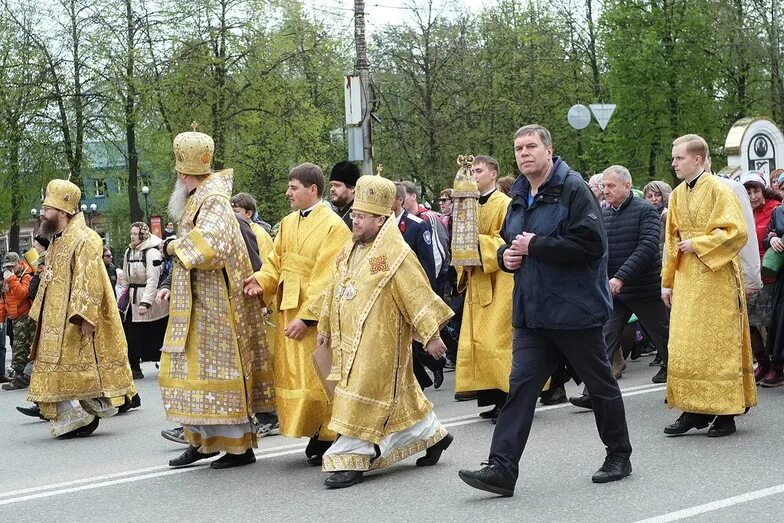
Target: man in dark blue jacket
x=416, y=233
x=633, y=229
x=557, y=249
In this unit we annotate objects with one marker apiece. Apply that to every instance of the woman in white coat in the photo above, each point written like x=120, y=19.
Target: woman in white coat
x=144, y=320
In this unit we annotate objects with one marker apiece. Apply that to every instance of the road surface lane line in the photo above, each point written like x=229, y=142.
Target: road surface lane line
x=715, y=505
x=116, y=478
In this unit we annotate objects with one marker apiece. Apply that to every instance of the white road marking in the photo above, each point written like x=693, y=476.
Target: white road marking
x=715, y=505
x=117, y=478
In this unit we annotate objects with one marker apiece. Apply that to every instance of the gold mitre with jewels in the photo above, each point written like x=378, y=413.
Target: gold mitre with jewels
x=374, y=194
x=193, y=152
x=63, y=195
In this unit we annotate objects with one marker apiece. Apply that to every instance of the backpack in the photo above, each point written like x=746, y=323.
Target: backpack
x=165, y=271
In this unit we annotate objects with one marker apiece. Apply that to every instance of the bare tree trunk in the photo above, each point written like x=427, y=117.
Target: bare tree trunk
x=131, y=106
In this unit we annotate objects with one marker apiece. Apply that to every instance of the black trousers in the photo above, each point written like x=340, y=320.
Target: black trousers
x=535, y=355
x=654, y=319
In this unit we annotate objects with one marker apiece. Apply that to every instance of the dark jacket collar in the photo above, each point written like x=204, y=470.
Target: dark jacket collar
x=625, y=203
x=522, y=187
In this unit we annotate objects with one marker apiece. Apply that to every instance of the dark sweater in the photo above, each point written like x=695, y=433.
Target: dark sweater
x=633, y=247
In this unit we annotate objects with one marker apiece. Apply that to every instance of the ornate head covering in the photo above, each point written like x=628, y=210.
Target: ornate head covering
x=193, y=152
x=375, y=195
x=63, y=195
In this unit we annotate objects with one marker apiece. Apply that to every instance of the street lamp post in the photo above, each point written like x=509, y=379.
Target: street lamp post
x=93, y=210
x=37, y=219
x=146, y=192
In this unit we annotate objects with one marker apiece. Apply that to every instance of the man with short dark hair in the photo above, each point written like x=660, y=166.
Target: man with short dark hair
x=557, y=248
x=484, y=355
x=342, y=181
x=293, y=276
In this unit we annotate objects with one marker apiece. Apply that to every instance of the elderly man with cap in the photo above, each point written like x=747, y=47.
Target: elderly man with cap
x=342, y=180
x=215, y=368
x=79, y=351
x=379, y=299
x=15, y=304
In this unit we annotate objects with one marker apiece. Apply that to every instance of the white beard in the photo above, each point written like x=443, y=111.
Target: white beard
x=177, y=201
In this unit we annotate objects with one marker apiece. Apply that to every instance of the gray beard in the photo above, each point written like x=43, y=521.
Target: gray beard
x=177, y=201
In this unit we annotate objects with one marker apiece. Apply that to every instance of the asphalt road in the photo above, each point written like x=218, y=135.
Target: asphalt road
x=120, y=473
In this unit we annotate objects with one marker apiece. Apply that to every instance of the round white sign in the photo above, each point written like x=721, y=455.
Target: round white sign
x=579, y=116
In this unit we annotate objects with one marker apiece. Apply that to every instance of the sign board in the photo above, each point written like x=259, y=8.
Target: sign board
x=754, y=144
x=602, y=113
x=578, y=116
x=353, y=100
x=155, y=226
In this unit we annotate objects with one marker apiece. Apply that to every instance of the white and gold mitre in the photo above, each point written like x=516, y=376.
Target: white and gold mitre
x=63, y=195
x=193, y=152
x=374, y=194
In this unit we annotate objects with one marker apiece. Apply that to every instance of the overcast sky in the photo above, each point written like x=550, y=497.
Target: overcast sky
x=380, y=12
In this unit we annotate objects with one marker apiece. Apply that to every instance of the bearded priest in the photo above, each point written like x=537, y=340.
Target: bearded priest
x=215, y=368
x=378, y=301
x=79, y=351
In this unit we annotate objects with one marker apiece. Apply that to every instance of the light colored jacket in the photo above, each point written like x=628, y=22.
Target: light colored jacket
x=142, y=278
x=749, y=255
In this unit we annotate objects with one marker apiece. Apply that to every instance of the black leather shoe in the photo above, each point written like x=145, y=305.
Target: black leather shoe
x=686, y=422
x=81, y=431
x=490, y=414
x=465, y=396
x=88, y=429
x=343, y=479
x=722, y=426
x=614, y=468
x=661, y=376
x=33, y=412
x=137, y=374
x=489, y=479
x=316, y=449
x=438, y=378
x=129, y=404
x=433, y=454
x=228, y=461
x=190, y=456
x=584, y=401
x=553, y=396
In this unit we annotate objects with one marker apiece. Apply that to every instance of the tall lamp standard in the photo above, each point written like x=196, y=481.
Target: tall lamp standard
x=35, y=214
x=93, y=210
x=146, y=192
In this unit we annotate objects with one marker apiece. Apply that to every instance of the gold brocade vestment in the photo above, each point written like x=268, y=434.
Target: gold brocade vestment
x=484, y=356
x=377, y=299
x=293, y=277
x=710, y=364
x=215, y=369
x=75, y=287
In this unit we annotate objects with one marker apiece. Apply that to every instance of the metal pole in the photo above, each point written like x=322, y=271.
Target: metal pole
x=363, y=69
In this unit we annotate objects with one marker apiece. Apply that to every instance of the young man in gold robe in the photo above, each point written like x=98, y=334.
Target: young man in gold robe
x=378, y=300
x=291, y=280
x=79, y=351
x=484, y=354
x=215, y=369
x=703, y=284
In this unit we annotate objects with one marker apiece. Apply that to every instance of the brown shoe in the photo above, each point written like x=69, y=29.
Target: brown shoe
x=19, y=382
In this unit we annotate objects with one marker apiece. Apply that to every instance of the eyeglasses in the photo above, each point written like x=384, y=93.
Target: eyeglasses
x=359, y=217
x=443, y=200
